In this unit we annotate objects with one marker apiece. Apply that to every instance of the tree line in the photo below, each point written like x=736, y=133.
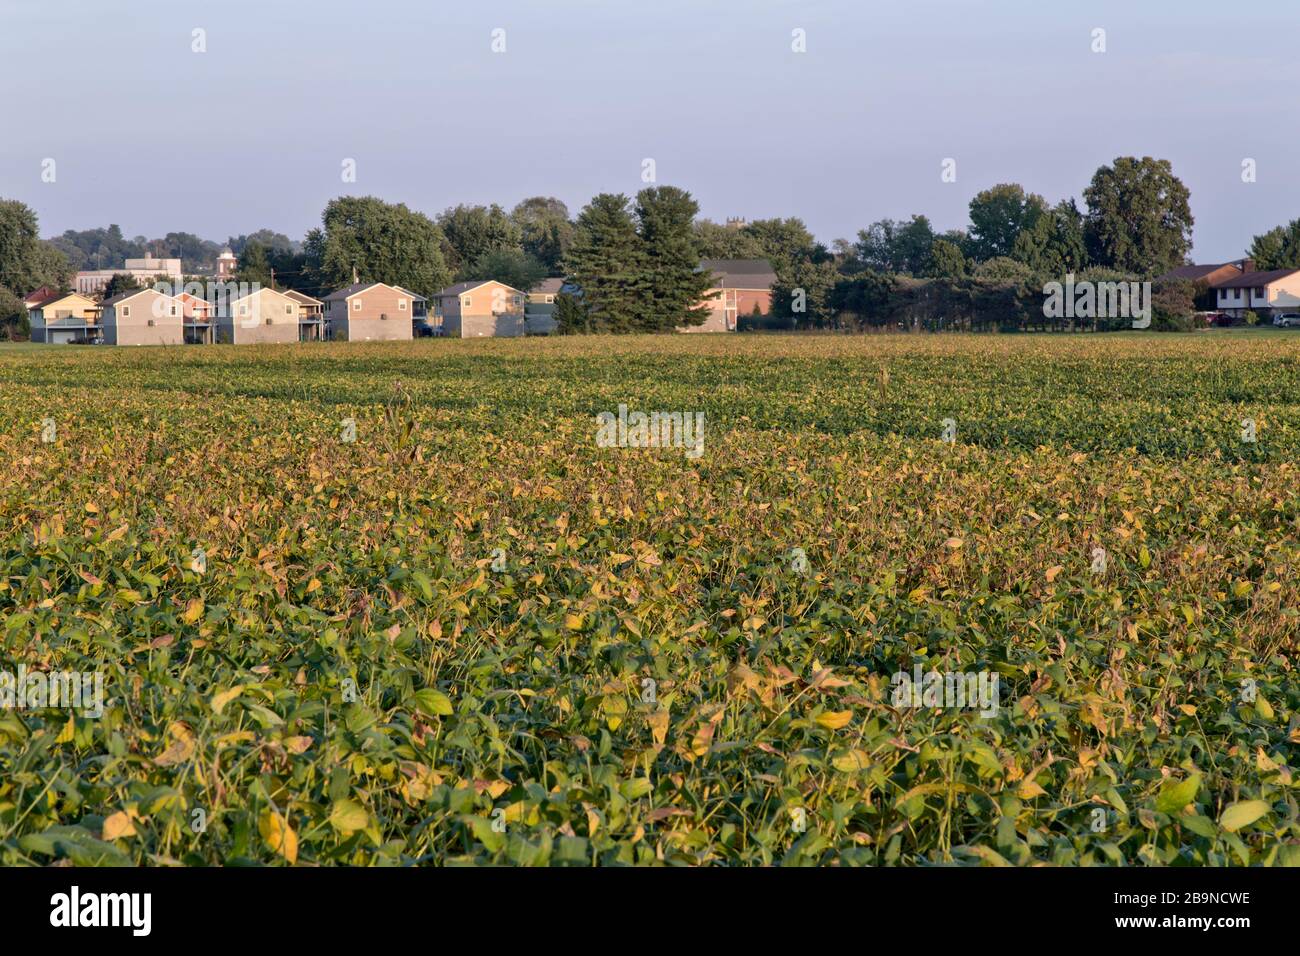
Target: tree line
x=635, y=259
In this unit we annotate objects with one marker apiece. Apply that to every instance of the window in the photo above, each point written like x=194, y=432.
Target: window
x=401, y=305
x=465, y=302
x=126, y=312
x=519, y=300
x=550, y=299
x=173, y=311
x=288, y=310
x=356, y=305
x=243, y=310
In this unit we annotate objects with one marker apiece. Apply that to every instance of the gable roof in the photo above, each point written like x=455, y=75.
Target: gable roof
x=548, y=286
x=301, y=297
x=130, y=294
x=415, y=296
x=283, y=295
x=1193, y=273
x=741, y=273
x=35, y=299
x=462, y=287
x=1253, y=280
x=349, y=291
x=57, y=298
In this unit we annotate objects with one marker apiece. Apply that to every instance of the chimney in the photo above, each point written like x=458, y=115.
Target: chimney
x=1247, y=265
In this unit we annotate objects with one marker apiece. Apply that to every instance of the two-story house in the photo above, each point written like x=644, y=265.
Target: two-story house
x=369, y=312
x=483, y=307
x=62, y=317
x=261, y=317
x=142, y=317
x=1261, y=292
x=740, y=287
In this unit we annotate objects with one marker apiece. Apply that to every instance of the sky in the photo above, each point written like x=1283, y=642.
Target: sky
x=254, y=132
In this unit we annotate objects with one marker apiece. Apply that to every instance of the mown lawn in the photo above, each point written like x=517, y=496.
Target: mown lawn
x=473, y=635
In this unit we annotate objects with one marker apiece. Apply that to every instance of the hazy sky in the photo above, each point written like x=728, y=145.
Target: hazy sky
x=252, y=133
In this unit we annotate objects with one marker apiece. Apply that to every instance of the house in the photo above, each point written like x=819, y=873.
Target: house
x=258, y=318
x=198, y=315
x=369, y=311
x=740, y=287
x=142, y=317
x=1204, y=278
x=483, y=307
x=311, y=316
x=1260, y=292
x=539, y=309
x=145, y=271
x=62, y=317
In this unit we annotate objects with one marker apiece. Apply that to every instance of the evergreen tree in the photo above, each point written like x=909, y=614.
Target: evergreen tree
x=675, y=284
x=119, y=283
x=946, y=260
x=607, y=263
x=1279, y=248
x=571, y=315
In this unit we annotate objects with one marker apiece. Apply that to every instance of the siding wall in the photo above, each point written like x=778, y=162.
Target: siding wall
x=364, y=324
x=480, y=326
x=272, y=319
x=134, y=329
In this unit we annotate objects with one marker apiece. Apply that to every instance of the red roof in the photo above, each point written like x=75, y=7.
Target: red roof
x=42, y=295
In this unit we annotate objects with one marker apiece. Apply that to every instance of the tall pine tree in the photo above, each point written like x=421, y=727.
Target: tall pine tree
x=607, y=262
x=675, y=283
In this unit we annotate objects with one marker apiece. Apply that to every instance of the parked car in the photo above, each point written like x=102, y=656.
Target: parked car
x=1287, y=320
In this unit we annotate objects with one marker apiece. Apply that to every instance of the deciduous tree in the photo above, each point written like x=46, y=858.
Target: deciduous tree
x=1139, y=218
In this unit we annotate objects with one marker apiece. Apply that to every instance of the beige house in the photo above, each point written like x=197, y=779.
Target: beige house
x=61, y=317
x=261, y=317
x=1259, y=292
x=142, y=317
x=369, y=312
x=468, y=310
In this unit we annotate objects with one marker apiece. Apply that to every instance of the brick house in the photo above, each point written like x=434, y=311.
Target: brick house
x=740, y=287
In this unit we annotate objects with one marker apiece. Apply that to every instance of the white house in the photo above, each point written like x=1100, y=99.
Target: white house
x=1261, y=292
